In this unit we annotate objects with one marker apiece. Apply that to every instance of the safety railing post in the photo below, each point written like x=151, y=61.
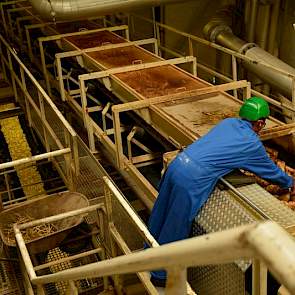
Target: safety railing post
x=176, y=281
x=3, y=67
x=12, y=74
x=68, y=161
x=29, y=43
x=43, y=119
x=44, y=68
x=103, y=230
x=86, y=118
x=3, y=17
x=293, y=98
x=75, y=154
x=259, y=278
x=60, y=78
x=28, y=109
x=118, y=139
x=191, y=53
x=158, y=37
x=40, y=290
x=234, y=73
x=110, y=221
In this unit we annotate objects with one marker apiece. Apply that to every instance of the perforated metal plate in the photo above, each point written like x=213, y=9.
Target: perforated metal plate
x=222, y=211
x=274, y=208
x=10, y=279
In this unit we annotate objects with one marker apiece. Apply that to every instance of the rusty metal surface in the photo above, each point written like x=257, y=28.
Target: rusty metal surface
x=119, y=57
x=95, y=39
x=160, y=81
x=40, y=208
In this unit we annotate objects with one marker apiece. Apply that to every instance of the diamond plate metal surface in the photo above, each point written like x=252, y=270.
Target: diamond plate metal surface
x=220, y=212
x=217, y=280
x=274, y=208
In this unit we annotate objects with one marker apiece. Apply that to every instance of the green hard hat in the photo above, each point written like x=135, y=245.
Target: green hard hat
x=254, y=108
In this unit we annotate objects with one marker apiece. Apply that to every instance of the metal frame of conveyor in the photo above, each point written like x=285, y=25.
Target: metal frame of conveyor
x=246, y=198
x=173, y=131
x=147, y=108
x=86, y=176
x=57, y=135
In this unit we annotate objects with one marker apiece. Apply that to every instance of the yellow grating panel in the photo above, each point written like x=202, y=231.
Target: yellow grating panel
x=29, y=177
x=53, y=255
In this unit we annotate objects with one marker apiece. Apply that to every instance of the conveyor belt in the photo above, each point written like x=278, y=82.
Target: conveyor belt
x=197, y=117
x=149, y=83
x=19, y=148
x=194, y=116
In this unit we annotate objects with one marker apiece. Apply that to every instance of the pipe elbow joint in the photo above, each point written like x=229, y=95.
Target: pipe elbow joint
x=213, y=28
x=43, y=9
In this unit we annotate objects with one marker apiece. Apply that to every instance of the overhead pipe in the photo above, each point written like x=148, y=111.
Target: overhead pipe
x=263, y=21
x=273, y=26
x=218, y=30
x=76, y=9
x=263, y=24
x=252, y=23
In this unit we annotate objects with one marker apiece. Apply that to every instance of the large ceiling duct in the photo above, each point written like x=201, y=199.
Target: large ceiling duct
x=218, y=30
x=77, y=9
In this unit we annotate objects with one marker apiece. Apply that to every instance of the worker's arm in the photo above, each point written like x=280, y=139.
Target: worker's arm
x=258, y=162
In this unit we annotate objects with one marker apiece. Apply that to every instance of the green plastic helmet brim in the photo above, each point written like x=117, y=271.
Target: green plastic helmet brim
x=254, y=108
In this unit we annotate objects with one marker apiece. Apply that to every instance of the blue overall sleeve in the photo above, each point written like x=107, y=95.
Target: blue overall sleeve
x=259, y=163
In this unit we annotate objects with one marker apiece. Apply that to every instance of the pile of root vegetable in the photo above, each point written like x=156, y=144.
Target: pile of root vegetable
x=29, y=234
x=282, y=194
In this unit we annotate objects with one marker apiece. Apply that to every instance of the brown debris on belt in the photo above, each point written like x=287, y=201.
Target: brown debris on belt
x=159, y=81
x=214, y=117
x=282, y=194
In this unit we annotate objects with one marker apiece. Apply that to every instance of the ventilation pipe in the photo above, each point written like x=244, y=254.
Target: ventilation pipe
x=77, y=9
x=218, y=30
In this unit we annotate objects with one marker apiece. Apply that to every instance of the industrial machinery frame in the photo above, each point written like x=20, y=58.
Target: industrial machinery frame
x=266, y=242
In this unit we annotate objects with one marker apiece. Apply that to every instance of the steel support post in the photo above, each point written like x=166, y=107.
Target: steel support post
x=86, y=118
x=44, y=68
x=44, y=121
x=176, y=281
x=28, y=110
x=12, y=75
x=234, y=73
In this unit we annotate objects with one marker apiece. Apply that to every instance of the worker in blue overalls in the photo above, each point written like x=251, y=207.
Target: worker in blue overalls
x=192, y=176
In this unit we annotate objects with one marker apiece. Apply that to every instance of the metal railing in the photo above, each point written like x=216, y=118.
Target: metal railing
x=23, y=166
x=193, y=42
x=111, y=218
x=42, y=114
x=267, y=243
